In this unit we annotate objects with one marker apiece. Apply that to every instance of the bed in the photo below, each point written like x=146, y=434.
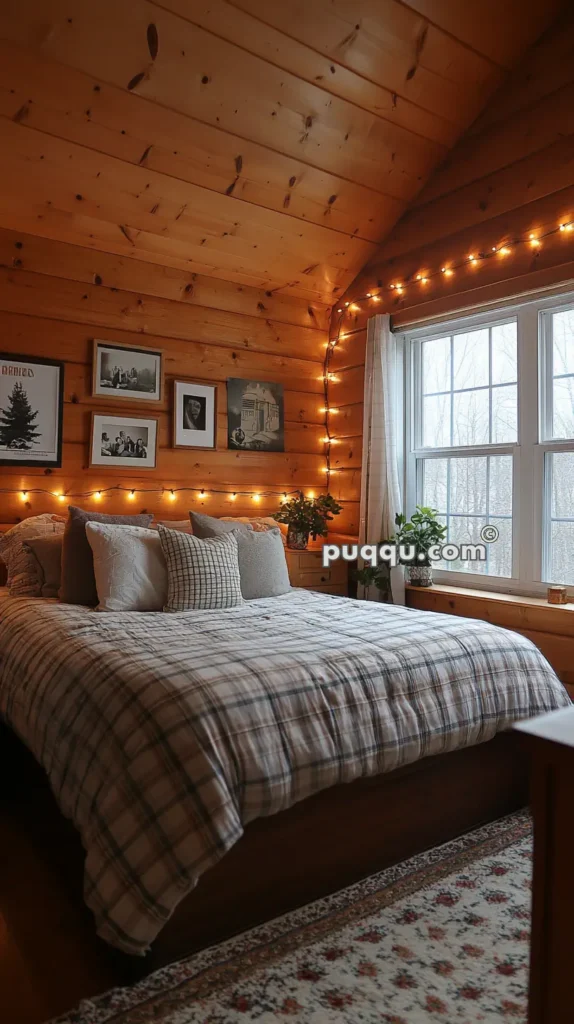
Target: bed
x=220, y=767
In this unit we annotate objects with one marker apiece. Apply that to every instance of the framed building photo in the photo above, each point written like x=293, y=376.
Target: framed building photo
x=119, y=440
x=125, y=371
x=31, y=405
x=194, y=414
x=255, y=415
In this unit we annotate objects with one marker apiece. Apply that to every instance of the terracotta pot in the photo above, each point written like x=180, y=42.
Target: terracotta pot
x=419, y=575
x=297, y=539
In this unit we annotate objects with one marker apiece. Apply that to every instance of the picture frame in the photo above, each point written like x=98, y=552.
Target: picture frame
x=126, y=372
x=194, y=414
x=123, y=441
x=31, y=411
x=255, y=415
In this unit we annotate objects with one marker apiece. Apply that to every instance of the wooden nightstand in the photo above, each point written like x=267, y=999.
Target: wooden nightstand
x=306, y=570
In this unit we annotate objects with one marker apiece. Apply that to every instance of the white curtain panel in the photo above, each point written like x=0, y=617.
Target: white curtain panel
x=382, y=445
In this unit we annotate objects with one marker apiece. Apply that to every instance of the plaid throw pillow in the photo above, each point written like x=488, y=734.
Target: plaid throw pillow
x=200, y=573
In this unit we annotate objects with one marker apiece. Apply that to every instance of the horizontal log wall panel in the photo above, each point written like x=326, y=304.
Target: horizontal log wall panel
x=349, y=421
x=529, y=131
x=172, y=216
x=75, y=263
x=42, y=314
x=382, y=47
x=267, y=104
x=348, y=388
x=347, y=454
x=523, y=182
x=23, y=292
x=301, y=438
x=75, y=106
x=349, y=351
x=548, y=67
x=345, y=485
x=348, y=519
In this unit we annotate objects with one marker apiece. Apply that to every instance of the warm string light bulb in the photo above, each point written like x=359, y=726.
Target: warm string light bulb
x=24, y=495
x=256, y=498
x=311, y=495
x=233, y=496
x=97, y=495
x=172, y=495
x=131, y=495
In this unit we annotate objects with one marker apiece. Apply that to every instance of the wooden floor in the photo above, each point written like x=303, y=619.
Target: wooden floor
x=49, y=957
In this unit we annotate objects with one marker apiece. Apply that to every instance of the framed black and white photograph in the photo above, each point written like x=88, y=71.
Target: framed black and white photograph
x=31, y=405
x=255, y=415
x=125, y=371
x=121, y=440
x=194, y=414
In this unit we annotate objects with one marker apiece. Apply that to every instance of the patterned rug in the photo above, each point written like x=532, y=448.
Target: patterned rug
x=441, y=937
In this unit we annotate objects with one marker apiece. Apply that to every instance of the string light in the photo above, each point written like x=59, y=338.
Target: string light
x=257, y=498
x=130, y=493
x=472, y=259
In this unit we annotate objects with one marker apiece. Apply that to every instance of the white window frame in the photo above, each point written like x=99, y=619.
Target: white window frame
x=530, y=492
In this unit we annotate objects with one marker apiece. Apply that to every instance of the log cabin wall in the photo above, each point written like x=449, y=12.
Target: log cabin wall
x=208, y=178
x=56, y=297
x=511, y=175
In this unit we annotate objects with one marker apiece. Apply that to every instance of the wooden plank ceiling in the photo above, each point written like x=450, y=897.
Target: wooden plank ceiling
x=271, y=143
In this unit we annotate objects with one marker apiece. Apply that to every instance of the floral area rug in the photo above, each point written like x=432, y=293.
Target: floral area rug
x=441, y=937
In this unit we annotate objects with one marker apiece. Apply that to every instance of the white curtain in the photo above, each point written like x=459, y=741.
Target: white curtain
x=382, y=444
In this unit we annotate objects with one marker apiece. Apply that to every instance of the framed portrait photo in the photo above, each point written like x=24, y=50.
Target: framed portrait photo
x=123, y=441
x=194, y=414
x=127, y=372
x=31, y=406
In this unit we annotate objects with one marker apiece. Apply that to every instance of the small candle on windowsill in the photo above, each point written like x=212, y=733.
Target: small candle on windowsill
x=557, y=595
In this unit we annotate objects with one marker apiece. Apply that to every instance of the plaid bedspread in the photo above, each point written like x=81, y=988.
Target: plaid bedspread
x=164, y=735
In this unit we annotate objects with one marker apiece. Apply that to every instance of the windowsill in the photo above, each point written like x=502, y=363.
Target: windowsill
x=492, y=595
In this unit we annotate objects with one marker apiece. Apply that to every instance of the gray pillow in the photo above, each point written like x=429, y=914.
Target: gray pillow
x=78, y=584
x=262, y=564
x=208, y=526
x=48, y=554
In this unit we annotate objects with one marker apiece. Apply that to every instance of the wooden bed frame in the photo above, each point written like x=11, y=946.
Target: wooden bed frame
x=321, y=844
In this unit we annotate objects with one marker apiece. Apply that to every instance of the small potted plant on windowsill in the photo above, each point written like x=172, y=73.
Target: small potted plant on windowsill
x=422, y=532
x=306, y=516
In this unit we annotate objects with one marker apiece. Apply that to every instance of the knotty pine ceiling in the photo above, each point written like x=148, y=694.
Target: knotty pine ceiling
x=271, y=143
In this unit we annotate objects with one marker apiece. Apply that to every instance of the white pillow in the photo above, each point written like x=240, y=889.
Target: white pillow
x=129, y=566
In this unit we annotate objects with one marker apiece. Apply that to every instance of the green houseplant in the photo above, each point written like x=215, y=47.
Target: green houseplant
x=422, y=532
x=306, y=516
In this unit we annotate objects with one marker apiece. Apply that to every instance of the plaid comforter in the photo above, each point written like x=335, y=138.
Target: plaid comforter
x=164, y=735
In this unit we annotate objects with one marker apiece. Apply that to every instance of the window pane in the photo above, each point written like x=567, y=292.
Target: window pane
x=562, y=553
x=563, y=341
x=562, y=503
x=468, y=485
x=563, y=408
x=436, y=365
x=504, y=362
x=435, y=483
x=475, y=491
x=500, y=551
x=504, y=414
x=436, y=421
x=466, y=530
x=470, y=417
x=470, y=353
x=500, y=503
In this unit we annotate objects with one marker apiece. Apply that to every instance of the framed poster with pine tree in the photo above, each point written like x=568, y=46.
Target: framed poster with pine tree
x=31, y=405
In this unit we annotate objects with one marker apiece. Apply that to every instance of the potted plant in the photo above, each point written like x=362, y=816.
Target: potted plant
x=304, y=516
x=379, y=577
x=422, y=531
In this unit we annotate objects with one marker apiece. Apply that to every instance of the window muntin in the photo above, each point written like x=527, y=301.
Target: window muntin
x=562, y=362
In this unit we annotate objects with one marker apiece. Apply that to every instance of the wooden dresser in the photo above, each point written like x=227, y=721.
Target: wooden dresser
x=306, y=570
